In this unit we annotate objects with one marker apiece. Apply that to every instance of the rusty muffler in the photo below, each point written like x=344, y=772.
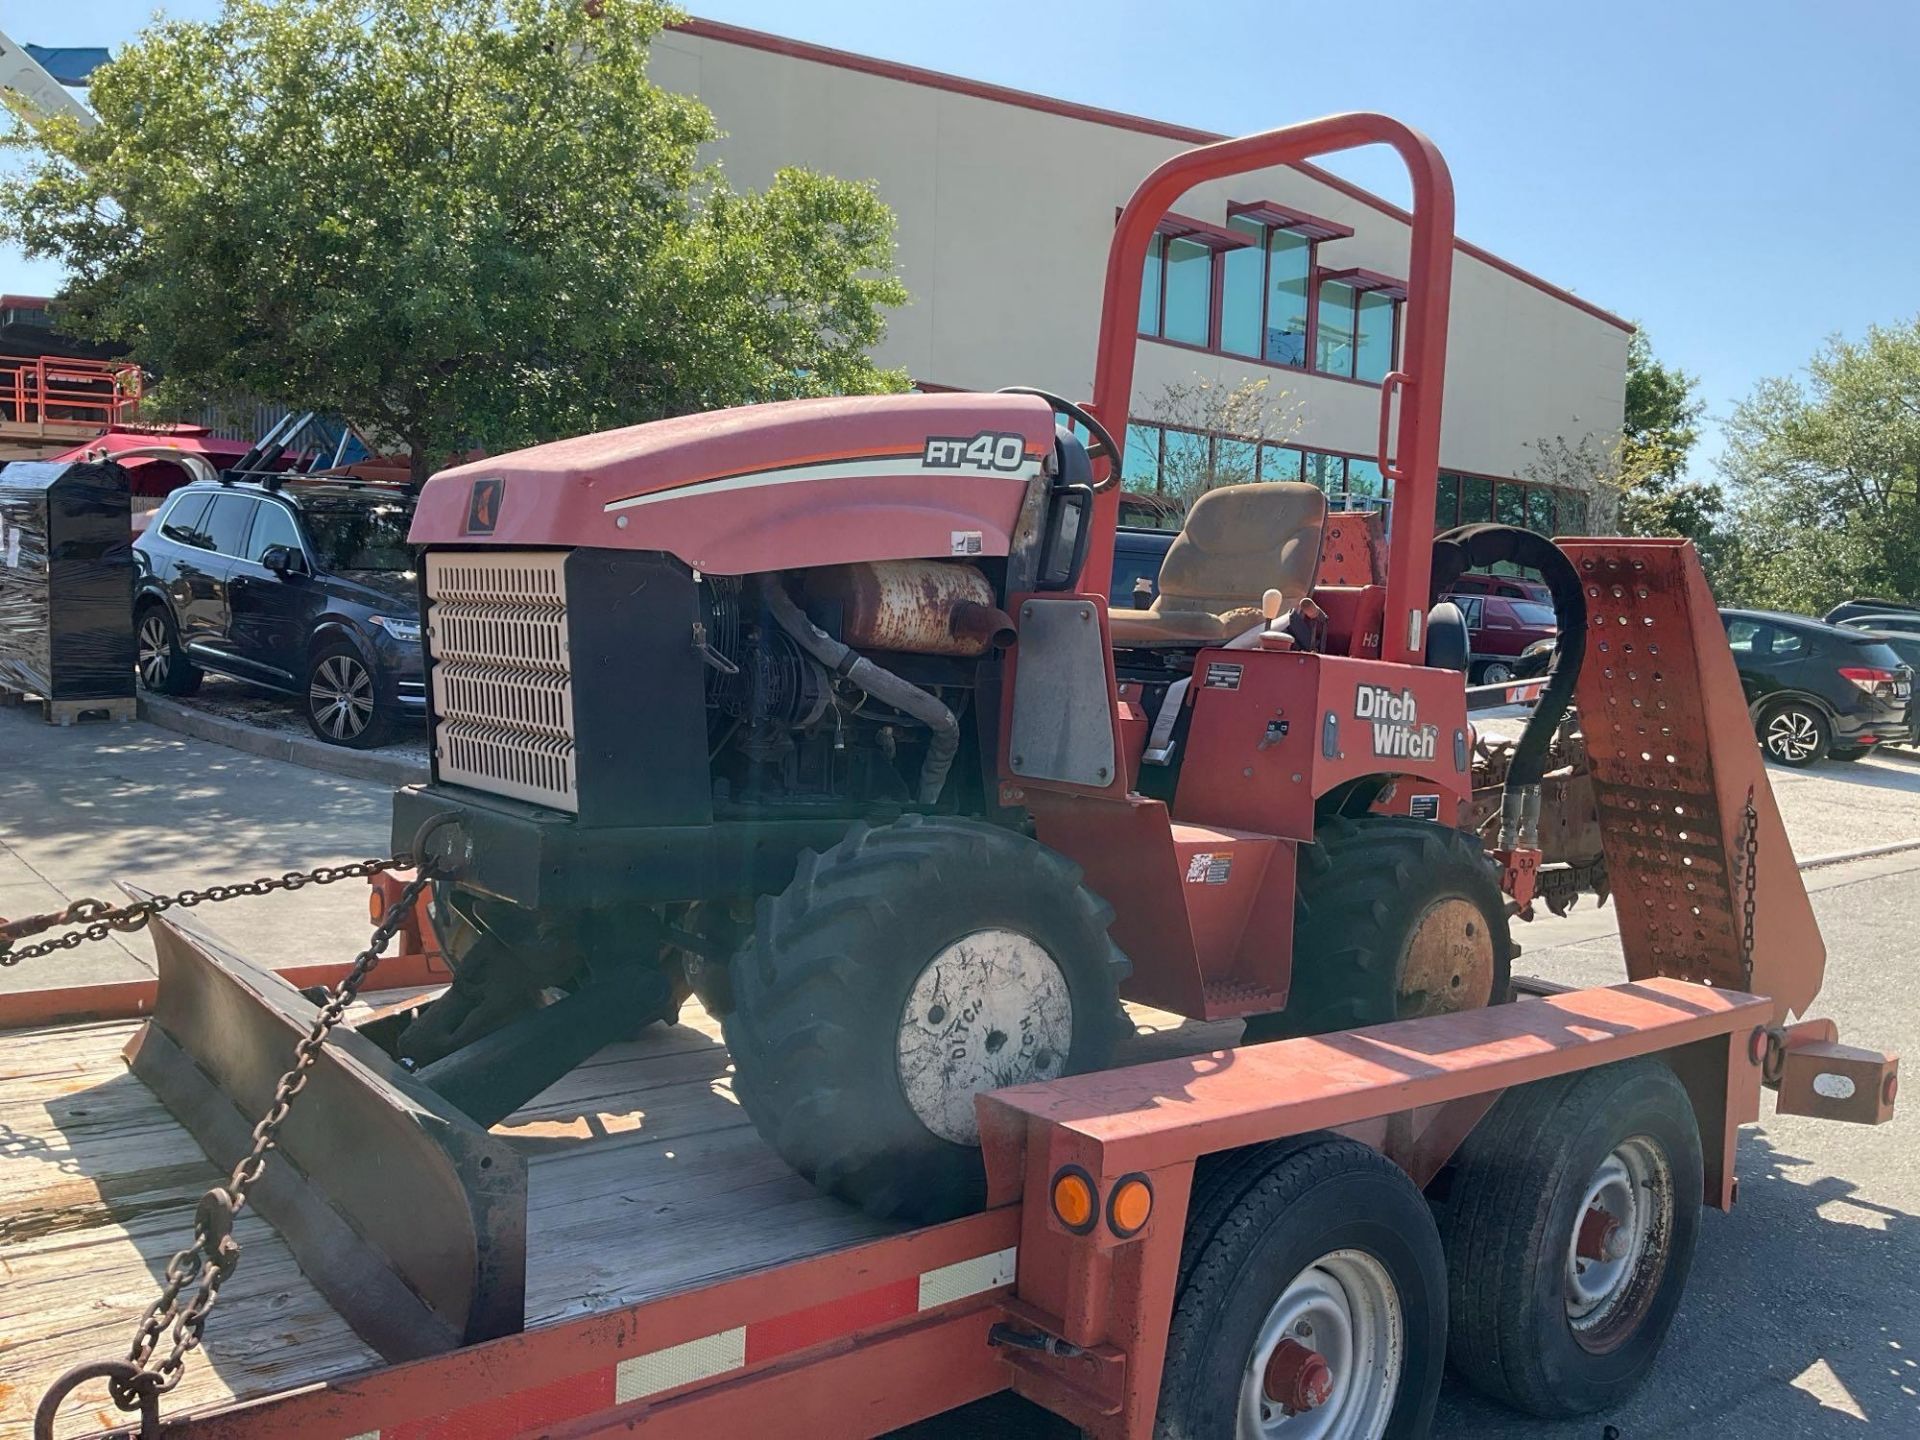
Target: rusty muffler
x=921, y=607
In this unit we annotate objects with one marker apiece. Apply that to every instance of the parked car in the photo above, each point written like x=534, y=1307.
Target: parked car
x=304, y=586
x=1500, y=628
x=1137, y=557
x=1868, y=605
x=1817, y=690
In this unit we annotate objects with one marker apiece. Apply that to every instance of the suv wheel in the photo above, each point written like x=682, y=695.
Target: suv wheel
x=344, y=704
x=159, y=662
x=1796, y=734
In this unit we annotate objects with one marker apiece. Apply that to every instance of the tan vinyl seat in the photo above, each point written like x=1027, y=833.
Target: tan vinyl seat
x=1238, y=543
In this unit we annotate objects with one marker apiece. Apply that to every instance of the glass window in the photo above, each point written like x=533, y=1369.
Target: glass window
x=1446, y=503
x=1277, y=462
x=1510, y=505
x=1573, y=514
x=1363, y=480
x=1373, y=342
x=1150, y=288
x=1128, y=571
x=272, y=526
x=1533, y=613
x=1143, y=457
x=1235, y=462
x=364, y=537
x=1334, y=355
x=1329, y=472
x=1540, y=510
x=1289, y=257
x=1242, y=274
x=1189, y=287
x=1476, y=500
x=182, y=525
x=225, y=527
x=1187, y=461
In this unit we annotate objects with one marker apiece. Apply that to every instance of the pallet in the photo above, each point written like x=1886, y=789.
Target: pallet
x=72, y=712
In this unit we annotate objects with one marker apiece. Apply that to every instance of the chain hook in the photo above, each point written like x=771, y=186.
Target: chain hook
x=131, y=1388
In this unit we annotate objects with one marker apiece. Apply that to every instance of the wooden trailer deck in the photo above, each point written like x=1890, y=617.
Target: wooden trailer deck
x=644, y=1178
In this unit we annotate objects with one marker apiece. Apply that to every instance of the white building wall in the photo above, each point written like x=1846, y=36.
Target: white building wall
x=1005, y=214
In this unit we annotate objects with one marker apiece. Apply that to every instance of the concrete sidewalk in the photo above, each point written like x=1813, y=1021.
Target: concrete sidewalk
x=86, y=807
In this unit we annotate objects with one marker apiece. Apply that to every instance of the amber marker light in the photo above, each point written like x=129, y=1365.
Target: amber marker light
x=1130, y=1206
x=1074, y=1203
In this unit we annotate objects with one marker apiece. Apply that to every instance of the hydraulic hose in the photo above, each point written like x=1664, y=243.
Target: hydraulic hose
x=1472, y=546
x=883, y=685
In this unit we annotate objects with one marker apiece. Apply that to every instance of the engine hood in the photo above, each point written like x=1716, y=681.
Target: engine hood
x=763, y=487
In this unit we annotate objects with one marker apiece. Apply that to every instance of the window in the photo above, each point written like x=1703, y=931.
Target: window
x=1363, y=480
x=1188, y=310
x=361, y=537
x=1446, y=503
x=1242, y=275
x=1235, y=462
x=1476, y=501
x=1533, y=614
x=1510, y=505
x=1143, y=457
x=1277, y=462
x=1374, y=316
x=1333, y=347
x=182, y=525
x=1540, y=511
x=1289, y=262
x=272, y=526
x=1150, y=286
x=1329, y=472
x=226, y=524
x=1184, y=460
x=1573, y=514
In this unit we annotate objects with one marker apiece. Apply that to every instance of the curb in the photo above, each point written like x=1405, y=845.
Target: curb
x=1870, y=852
x=302, y=750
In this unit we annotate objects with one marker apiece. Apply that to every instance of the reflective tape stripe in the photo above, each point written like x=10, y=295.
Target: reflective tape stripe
x=967, y=1277
x=682, y=1364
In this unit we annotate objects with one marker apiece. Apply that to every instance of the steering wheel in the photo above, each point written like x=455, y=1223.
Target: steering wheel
x=1103, y=442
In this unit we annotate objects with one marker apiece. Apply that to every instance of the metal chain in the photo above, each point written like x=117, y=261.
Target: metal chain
x=1751, y=845
x=99, y=919
x=211, y=1259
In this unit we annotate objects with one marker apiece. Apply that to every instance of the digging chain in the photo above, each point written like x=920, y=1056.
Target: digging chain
x=1750, y=844
x=99, y=919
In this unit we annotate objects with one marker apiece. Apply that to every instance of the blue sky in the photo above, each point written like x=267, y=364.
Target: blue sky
x=1737, y=175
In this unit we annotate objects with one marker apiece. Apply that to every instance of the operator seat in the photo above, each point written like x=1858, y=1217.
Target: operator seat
x=1238, y=542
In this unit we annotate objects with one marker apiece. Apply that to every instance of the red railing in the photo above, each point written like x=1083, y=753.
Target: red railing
x=50, y=396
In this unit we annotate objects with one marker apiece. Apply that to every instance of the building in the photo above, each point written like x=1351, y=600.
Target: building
x=1006, y=203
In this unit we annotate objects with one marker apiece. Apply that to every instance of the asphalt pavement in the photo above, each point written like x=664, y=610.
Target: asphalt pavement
x=1803, y=1316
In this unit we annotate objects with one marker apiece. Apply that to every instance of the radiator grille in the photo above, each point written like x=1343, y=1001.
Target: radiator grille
x=502, y=678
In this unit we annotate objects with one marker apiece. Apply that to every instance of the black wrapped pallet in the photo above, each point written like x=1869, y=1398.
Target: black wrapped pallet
x=66, y=586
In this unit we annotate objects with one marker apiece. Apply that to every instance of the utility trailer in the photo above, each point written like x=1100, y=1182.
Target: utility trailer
x=1215, y=1238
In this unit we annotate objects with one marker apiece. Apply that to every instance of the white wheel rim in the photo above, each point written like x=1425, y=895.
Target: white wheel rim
x=1497, y=674
x=154, y=657
x=1344, y=1308
x=1791, y=735
x=341, y=697
x=990, y=1010
x=1632, y=1196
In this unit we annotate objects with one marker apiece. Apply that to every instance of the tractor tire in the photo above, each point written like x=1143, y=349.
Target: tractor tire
x=1393, y=919
x=904, y=971
x=1795, y=734
x=160, y=664
x=1555, y=1312
x=1321, y=1247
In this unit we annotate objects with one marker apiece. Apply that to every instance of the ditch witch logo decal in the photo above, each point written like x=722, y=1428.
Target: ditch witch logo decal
x=483, y=505
x=1397, y=731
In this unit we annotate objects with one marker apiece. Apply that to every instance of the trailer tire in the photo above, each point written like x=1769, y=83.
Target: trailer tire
x=1380, y=899
x=851, y=997
x=1513, y=1209
x=1318, y=1232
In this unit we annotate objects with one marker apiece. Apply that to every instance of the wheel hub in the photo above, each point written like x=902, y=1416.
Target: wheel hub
x=1327, y=1362
x=1298, y=1379
x=1449, y=961
x=1617, y=1250
x=990, y=1010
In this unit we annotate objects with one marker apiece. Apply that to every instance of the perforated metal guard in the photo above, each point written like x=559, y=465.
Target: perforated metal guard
x=1674, y=758
x=502, y=676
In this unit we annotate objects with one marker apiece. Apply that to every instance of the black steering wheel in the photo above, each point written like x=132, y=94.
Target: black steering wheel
x=1103, y=441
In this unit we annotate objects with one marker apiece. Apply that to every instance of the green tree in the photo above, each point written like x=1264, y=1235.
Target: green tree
x=456, y=222
x=1659, y=429
x=1825, y=471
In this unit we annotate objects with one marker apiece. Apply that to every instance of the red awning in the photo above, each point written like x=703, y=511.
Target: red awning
x=1286, y=217
x=1214, y=237
x=1367, y=282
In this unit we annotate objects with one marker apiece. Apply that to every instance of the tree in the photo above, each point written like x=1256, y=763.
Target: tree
x=1826, y=471
x=1659, y=430
x=455, y=222
x=1245, y=414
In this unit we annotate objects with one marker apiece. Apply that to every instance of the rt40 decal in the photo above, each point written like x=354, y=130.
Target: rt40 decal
x=990, y=450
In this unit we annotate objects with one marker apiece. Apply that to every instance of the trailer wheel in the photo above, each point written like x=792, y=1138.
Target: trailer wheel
x=1312, y=1301
x=1569, y=1219
x=904, y=971
x=1393, y=919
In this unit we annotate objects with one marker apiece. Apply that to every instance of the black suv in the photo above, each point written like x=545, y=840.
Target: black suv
x=305, y=586
x=1817, y=690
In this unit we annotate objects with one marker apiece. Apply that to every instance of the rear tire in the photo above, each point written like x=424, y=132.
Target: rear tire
x=904, y=971
x=1317, y=1245
x=1795, y=734
x=159, y=662
x=1393, y=919
x=1535, y=1325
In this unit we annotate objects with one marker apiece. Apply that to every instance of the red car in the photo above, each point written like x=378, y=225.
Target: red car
x=1499, y=627
x=1507, y=586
